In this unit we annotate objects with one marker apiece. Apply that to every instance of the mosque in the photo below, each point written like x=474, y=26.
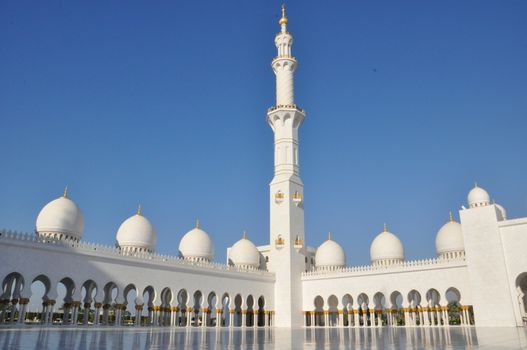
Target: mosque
x=479, y=276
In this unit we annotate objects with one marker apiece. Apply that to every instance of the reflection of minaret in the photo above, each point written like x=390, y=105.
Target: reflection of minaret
x=286, y=188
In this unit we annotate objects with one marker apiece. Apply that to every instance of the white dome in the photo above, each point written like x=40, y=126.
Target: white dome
x=330, y=254
x=61, y=217
x=450, y=238
x=244, y=253
x=478, y=197
x=137, y=232
x=196, y=245
x=502, y=211
x=386, y=247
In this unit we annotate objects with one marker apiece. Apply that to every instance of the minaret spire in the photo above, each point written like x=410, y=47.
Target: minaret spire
x=283, y=20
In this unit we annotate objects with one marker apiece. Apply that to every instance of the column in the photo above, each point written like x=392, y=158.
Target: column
x=22, y=312
x=219, y=313
x=372, y=317
x=231, y=317
x=138, y=313
x=14, y=302
x=205, y=320
x=356, y=320
x=190, y=311
x=105, y=314
x=272, y=317
x=406, y=317
x=341, y=318
x=97, y=314
x=255, y=319
x=445, y=316
x=326, y=318
x=86, y=315
x=244, y=318
x=50, y=310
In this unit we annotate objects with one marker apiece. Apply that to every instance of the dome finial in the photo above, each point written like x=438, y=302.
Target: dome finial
x=244, y=234
x=385, y=227
x=65, y=195
x=283, y=19
x=197, y=223
x=139, y=211
x=475, y=184
x=329, y=236
x=451, y=218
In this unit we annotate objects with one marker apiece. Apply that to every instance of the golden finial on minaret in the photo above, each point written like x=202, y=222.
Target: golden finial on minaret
x=244, y=235
x=283, y=19
x=139, y=210
x=197, y=223
x=385, y=227
x=65, y=195
x=451, y=218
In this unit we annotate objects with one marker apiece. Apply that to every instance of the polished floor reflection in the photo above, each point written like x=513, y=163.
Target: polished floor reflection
x=330, y=338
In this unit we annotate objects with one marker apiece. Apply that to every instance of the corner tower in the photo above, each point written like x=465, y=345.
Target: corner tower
x=286, y=188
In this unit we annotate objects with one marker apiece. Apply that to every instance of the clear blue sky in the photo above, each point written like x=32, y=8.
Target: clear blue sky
x=163, y=103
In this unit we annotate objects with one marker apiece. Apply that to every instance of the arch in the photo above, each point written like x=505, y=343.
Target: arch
x=414, y=301
x=318, y=302
x=363, y=306
x=12, y=287
x=379, y=305
x=333, y=303
x=88, y=293
x=149, y=295
x=225, y=306
x=130, y=295
x=521, y=289
x=39, y=289
x=182, y=300
x=165, y=310
x=396, y=312
x=250, y=306
x=212, y=317
x=197, y=310
x=238, y=301
x=65, y=291
x=110, y=293
x=261, y=311
x=347, y=307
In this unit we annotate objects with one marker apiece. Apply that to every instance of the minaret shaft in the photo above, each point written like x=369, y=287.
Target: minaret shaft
x=286, y=188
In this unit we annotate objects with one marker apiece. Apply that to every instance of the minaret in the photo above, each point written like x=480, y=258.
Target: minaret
x=286, y=189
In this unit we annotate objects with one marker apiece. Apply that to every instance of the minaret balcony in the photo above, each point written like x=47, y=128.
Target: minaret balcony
x=292, y=106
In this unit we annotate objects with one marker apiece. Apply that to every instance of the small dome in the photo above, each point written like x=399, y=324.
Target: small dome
x=61, y=218
x=330, y=255
x=502, y=211
x=196, y=245
x=449, y=238
x=245, y=254
x=137, y=234
x=478, y=197
x=386, y=248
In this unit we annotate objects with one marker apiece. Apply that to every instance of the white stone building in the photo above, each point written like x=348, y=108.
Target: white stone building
x=478, y=277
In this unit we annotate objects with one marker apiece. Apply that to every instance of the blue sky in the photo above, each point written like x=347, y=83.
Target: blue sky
x=164, y=103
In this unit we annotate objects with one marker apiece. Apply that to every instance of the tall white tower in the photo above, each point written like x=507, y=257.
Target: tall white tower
x=286, y=189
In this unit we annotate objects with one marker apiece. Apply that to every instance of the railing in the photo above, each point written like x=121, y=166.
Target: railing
x=293, y=106
x=110, y=251
x=425, y=263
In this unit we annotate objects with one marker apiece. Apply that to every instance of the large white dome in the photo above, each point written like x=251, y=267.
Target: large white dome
x=196, y=245
x=245, y=254
x=61, y=218
x=330, y=255
x=137, y=233
x=386, y=248
x=478, y=197
x=449, y=238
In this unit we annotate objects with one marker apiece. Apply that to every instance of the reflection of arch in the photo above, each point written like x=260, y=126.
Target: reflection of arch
x=521, y=289
x=319, y=310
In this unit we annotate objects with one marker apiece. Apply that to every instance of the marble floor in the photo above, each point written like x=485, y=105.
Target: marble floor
x=62, y=337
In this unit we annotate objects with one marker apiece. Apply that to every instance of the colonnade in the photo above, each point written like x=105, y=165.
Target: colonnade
x=409, y=317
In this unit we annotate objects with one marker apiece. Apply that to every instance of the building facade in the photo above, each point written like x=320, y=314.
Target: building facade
x=479, y=275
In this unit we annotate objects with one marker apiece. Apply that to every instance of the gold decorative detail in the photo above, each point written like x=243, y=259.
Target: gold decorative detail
x=139, y=212
x=65, y=195
x=279, y=241
x=297, y=195
x=283, y=19
x=279, y=196
x=385, y=227
x=298, y=241
x=197, y=223
x=451, y=218
x=244, y=235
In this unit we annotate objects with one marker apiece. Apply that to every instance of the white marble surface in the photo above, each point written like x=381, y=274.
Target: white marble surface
x=336, y=338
